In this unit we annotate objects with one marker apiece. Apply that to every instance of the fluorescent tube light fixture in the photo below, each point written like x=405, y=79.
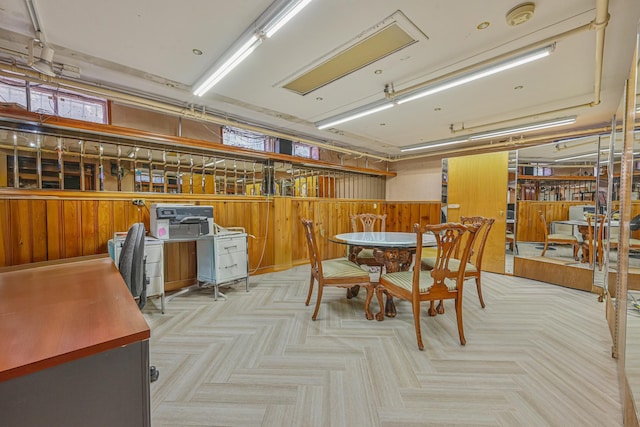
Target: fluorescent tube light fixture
x=233, y=61
x=525, y=128
x=355, y=114
x=490, y=134
x=284, y=16
x=581, y=156
x=438, y=87
x=475, y=75
x=273, y=20
x=433, y=145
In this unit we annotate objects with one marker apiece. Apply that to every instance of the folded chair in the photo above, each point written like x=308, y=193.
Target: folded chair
x=442, y=281
x=340, y=273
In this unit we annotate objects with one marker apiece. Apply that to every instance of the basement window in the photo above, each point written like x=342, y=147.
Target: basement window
x=42, y=99
x=13, y=91
x=245, y=139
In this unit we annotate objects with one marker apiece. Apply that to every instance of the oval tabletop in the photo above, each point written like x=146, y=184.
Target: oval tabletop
x=383, y=239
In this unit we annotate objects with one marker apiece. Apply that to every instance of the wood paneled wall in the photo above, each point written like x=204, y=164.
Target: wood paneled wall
x=331, y=216
x=49, y=225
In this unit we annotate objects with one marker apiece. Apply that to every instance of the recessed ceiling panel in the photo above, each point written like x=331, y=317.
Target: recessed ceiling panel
x=382, y=43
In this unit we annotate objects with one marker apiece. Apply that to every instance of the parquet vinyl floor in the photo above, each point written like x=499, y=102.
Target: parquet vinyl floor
x=537, y=355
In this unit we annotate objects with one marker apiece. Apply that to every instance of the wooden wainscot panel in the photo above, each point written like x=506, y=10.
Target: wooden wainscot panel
x=283, y=233
x=72, y=228
x=5, y=234
x=105, y=224
x=401, y=216
x=55, y=249
x=39, y=230
x=89, y=226
x=21, y=236
x=180, y=265
x=550, y=270
x=38, y=225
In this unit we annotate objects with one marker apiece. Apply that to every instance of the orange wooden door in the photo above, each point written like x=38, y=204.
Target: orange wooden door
x=477, y=185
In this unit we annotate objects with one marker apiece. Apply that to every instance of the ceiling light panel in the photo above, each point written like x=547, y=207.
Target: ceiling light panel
x=391, y=35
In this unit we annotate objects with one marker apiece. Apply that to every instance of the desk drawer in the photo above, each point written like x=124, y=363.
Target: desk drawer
x=155, y=286
x=230, y=245
x=154, y=269
x=231, y=266
x=154, y=253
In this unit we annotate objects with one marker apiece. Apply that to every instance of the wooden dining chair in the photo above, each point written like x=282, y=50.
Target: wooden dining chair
x=557, y=238
x=592, y=250
x=510, y=239
x=442, y=281
x=473, y=269
x=335, y=272
x=364, y=222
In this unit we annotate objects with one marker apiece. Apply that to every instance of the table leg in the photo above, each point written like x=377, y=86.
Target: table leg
x=353, y=291
x=394, y=260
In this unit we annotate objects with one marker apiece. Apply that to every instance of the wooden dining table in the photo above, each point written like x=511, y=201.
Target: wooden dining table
x=393, y=250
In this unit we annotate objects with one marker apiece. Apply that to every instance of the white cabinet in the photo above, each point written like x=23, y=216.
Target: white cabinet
x=154, y=267
x=223, y=259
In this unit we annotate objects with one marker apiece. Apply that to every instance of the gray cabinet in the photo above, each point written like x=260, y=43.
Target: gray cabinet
x=223, y=259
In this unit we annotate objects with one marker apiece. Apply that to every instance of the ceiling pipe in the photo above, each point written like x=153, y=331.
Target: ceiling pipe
x=511, y=144
x=598, y=24
x=10, y=71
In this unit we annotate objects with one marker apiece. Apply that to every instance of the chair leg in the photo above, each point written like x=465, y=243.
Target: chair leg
x=416, y=321
x=432, y=309
x=440, y=307
x=367, y=311
x=545, y=248
x=479, y=287
x=310, y=291
x=315, y=312
x=463, y=341
x=379, y=292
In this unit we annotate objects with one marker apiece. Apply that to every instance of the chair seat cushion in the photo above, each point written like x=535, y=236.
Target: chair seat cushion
x=341, y=267
x=366, y=253
x=560, y=236
x=454, y=264
x=404, y=279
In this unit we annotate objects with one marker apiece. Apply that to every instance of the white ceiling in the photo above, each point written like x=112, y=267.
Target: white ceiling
x=146, y=47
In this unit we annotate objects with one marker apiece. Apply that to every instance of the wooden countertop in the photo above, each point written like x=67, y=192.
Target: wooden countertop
x=54, y=314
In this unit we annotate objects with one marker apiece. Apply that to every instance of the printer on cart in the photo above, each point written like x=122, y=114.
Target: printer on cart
x=169, y=221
